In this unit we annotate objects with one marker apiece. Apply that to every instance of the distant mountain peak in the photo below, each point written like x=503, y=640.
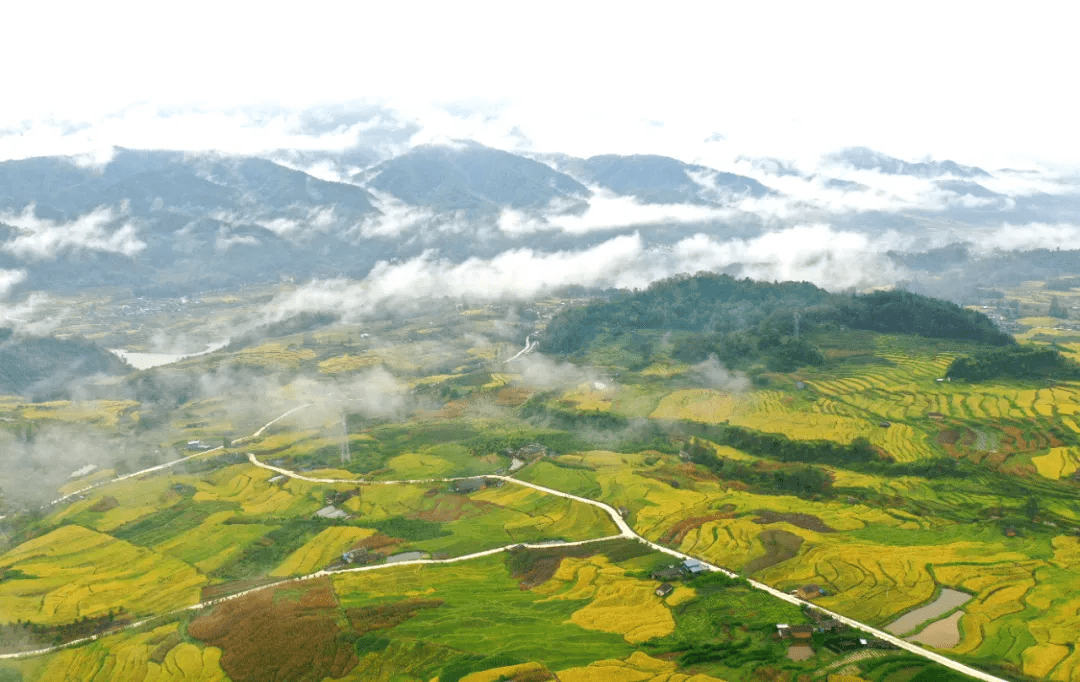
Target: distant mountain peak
x=864, y=158
x=468, y=176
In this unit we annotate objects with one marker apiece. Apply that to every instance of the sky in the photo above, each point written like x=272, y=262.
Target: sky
x=982, y=83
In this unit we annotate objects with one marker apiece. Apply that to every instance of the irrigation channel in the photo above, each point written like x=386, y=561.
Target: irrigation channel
x=625, y=531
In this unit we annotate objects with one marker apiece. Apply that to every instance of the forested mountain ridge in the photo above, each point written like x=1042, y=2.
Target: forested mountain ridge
x=46, y=366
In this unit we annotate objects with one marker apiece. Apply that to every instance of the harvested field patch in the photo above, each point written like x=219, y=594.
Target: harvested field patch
x=379, y=543
x=674, y=535
x=512, y=397
x=104, y=504
x=948, y=436
x=780, y=545
x=367, y=619
x=272, y=636
x=804, y=521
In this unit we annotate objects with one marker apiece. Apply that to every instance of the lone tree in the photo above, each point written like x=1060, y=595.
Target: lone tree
x=1056, y=309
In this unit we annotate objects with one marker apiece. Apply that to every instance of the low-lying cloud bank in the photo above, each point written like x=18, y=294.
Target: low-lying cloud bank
x=831, y=258
x=41, y=239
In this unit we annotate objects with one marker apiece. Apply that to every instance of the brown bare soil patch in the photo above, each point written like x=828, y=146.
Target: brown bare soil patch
x=273, y=636
x=104, y=504
x=447, y=508
x=535, y=567
x=385, y=616
x=804, y=521
x=379, y=543
x=512, y=397
x=1016, y=436
x=675, y=534
x=948, y=436
x=780, y=545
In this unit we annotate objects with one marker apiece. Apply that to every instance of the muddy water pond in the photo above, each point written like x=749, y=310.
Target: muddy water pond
x=406, y=556
x=943, y=634
x=947, y=601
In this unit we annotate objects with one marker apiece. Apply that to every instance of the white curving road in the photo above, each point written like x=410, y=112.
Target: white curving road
x=625, y=531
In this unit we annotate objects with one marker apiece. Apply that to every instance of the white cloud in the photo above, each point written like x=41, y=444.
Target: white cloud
x=607, y=211
x=42, y=239
x=817, y=253
x=1030, y=236
x=9, y=279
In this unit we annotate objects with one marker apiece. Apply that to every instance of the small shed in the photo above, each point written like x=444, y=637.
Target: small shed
x=694, y=566
x=331, y=512
x=667, y=573
x=664, y=590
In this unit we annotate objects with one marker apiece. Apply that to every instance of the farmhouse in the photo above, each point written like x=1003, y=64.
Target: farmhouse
x=809, y=592
x=359, y=555
x=798, y=632
x=667, y=573
x=936, y=416
x=664, y=590
x=693, y=566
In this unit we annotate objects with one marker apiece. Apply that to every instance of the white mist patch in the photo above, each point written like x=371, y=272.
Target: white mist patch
x=43, y=239
x=833, y=259
x=1029, y=236
x=607, y=211
x=711, y=373
x=395, y=217
x=9, y=279
x=541, y=372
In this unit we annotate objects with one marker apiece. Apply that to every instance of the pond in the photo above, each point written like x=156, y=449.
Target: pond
x=943, y=634
x=148, y=360
x=947, y=601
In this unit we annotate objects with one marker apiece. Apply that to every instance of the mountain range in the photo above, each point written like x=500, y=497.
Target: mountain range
x=169, y=222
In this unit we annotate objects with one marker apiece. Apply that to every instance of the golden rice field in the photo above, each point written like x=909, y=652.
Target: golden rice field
x=274, y=355
x=347, y=363
x=1057, y=463
x=413, y=465
x=105, y=413
x=321, y=550
x=247, y=486
x=507, y=672
x=212, y=544
x=128, y=658
x=586, y=398
x=638, y=667
x=79, y=572
x=619, y=604
x=136, y=498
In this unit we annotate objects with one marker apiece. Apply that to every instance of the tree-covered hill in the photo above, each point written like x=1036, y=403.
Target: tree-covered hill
x=743, y=319
x=1016, y=362
x=46, y=367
